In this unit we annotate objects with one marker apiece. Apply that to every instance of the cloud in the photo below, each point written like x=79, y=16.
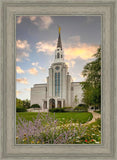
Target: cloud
x=80, y=75
x=19, y=19
x=46, y=21
x=41, y=68
x=74, y=78
x=27, y=89
x=73, y=63
x=32, y=18
x=21, y=55
x=18, y=92
x=23, y=45
x=43, y=22
x=19, y=70
x=18, y=60
x=70, y=63
x=22, y=80
x=46, y=47
x=73, y=49
x=84, y=51
x=33, y=71
x=35, y=64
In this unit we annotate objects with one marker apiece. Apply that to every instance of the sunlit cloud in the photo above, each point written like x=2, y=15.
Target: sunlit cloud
x=18, y=92
x=18, y=60
x=73, y=49
x=19, y=19
x=32, y=18
x=23, y=45
x=74, y=78
x=46, y=47
x=22, y=80
x=36, y=64
x=19, y=70
x=33, y=71
x=84, y=51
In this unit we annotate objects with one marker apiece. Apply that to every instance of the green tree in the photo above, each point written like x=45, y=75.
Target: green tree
x=22, y=103
x=26, y=103
x=92, y=84
x=19, y=103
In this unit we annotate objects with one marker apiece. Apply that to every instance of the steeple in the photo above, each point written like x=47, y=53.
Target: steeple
x=59, y=44
x=59, y=55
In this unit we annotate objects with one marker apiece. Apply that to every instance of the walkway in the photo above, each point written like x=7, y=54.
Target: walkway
x=95, y=116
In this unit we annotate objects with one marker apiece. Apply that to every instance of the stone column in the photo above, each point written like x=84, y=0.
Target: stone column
x=42, y=104
x=56, y=103
x=61, y=103
x=47, y=103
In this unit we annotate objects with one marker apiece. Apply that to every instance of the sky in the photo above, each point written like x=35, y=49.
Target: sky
x=36, y=41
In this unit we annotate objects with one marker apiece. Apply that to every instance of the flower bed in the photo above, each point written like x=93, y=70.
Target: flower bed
x=47, y=130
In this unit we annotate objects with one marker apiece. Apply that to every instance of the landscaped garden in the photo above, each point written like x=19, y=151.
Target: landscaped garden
x=57, y=128
x=68, y=125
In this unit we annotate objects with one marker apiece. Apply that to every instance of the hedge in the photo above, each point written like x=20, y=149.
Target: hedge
x=35, y=106
x=20, y=109
x=57, y=110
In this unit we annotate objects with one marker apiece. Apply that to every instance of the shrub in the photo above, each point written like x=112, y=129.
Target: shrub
x=68, y=109
x=35, y=106
x=81, y=109
x=57, y=110
x=20, y=109
x=83, y=105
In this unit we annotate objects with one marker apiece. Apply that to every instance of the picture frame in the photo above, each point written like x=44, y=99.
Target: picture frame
x=107, y=9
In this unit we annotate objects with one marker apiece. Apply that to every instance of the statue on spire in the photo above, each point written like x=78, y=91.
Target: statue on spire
x=59, y=44
x=59, y=29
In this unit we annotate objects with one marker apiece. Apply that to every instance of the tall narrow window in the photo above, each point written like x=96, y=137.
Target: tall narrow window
x=58, y=55
x=57, y=84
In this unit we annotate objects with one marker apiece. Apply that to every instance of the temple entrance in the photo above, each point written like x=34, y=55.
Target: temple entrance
x=52, y=103
x=59, y=104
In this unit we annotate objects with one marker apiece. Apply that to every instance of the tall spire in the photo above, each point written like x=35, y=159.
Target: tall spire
x=59, y=44
x=59, y=54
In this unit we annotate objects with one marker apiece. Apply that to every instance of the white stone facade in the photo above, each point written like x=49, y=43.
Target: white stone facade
x=59, y=91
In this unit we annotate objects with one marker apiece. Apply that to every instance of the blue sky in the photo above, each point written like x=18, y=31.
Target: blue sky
x=36, y=40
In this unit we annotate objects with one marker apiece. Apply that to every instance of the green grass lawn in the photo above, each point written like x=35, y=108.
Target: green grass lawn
x=63, y=116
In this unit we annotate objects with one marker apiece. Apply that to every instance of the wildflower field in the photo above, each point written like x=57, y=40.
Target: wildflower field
x=57, y=128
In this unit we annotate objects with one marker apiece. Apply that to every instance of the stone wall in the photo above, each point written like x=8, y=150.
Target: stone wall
x=76, y=90
x=38, y=93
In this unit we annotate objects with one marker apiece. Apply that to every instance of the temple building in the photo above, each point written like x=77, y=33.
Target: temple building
x=60, y=90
